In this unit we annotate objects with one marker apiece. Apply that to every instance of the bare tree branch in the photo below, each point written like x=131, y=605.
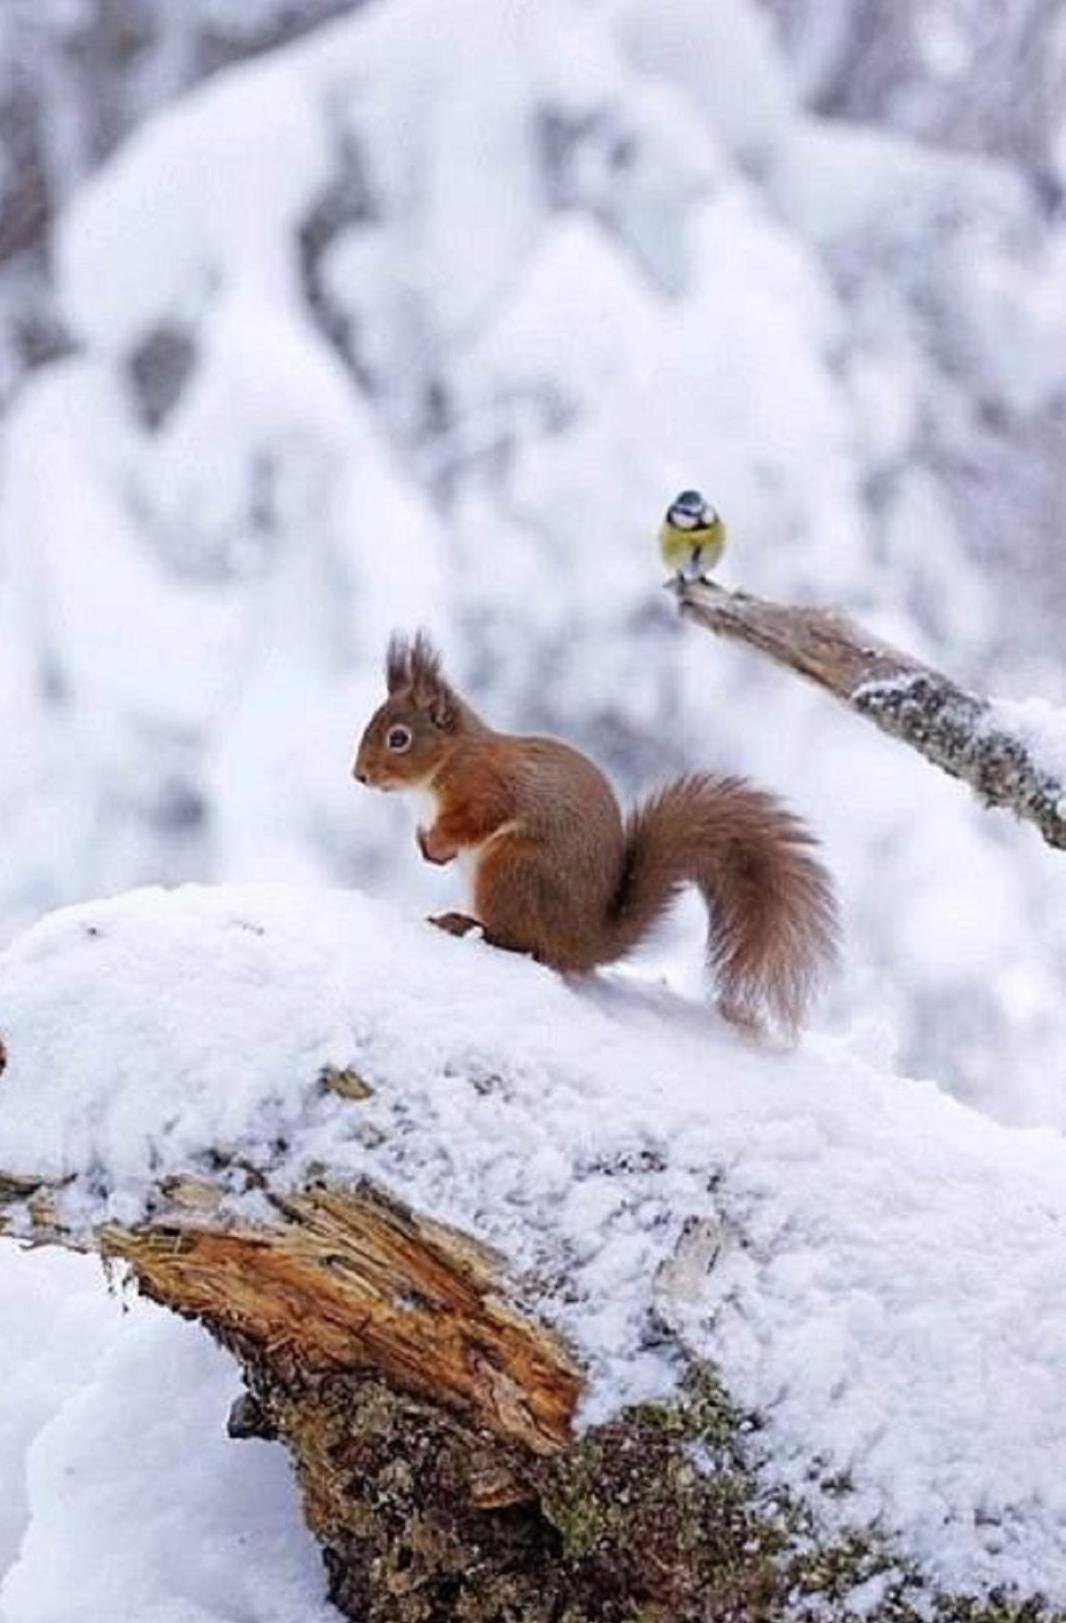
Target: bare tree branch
x=958, y=731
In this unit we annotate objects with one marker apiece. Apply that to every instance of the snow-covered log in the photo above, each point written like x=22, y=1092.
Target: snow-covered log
x=1011, y=755
x=566, y=1301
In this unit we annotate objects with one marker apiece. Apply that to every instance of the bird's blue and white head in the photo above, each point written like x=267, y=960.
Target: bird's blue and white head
x=691, y=511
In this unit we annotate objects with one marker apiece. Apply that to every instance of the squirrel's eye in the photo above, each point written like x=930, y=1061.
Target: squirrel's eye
x=399, y=738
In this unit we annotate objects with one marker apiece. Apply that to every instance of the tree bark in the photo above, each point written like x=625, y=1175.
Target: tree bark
x=955, y=729
x=381, y=1348
x=431, y=1424
x=430, y=1419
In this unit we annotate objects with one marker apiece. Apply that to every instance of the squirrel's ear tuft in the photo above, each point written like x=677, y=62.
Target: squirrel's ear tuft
x=411, y=662
x=398, y=663
x=413, y=666
x=424, y=663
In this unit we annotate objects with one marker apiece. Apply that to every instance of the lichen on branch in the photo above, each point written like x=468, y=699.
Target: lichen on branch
x=962, y=733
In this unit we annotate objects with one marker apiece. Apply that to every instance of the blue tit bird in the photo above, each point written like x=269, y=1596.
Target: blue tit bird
x=692, y=536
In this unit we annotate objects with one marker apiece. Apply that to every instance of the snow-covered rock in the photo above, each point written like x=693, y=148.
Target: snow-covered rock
x=890, y=1263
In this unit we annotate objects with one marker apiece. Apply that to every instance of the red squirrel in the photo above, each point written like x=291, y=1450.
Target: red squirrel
x=558, y=874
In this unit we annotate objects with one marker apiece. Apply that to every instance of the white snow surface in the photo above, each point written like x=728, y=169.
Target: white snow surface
x=121, y=1496
x=891, y=1264
x=1040, y=726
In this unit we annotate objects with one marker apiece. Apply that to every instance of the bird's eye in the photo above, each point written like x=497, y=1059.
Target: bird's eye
x=399, y=739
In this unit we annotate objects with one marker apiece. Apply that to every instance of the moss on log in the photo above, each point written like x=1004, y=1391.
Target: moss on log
x=430, y=1422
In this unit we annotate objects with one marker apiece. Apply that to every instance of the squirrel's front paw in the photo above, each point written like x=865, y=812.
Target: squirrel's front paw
x=433, y=849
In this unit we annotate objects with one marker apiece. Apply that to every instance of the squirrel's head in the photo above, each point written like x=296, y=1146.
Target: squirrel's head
x=407, y=737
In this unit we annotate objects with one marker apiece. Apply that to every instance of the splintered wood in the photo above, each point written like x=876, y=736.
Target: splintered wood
x=346, y=1281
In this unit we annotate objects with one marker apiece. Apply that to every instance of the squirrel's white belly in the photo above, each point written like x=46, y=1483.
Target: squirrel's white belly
x=468, y=860
x=427, y=805
x=470, y=857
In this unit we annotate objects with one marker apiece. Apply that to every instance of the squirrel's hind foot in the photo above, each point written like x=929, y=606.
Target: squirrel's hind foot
x=455, y=923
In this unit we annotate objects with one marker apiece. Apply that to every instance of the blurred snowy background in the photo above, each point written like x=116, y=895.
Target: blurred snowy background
x=318, y=319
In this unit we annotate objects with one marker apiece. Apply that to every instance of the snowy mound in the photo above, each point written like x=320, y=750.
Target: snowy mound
x=422, y=320
x=871, y=1264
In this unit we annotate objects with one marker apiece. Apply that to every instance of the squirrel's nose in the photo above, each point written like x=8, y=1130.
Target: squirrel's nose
x=359, y=775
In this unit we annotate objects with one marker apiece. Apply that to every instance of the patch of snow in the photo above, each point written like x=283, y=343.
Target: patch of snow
x=1040, y=726
x=889, y=1305
x=725, y=57
x=122, y=1496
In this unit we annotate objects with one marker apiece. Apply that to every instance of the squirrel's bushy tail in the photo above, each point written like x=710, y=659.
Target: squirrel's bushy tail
x=773, y=917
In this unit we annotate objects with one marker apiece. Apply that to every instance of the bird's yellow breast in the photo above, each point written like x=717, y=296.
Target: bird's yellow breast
x=681, y=547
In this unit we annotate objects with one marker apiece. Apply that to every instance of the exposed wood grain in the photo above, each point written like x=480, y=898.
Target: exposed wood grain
x=346, y=1280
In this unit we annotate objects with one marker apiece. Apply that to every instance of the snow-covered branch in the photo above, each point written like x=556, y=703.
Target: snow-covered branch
x=995, y=748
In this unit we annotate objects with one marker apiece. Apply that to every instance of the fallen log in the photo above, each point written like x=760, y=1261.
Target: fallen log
x=532, y=1280
x=431, y=1421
